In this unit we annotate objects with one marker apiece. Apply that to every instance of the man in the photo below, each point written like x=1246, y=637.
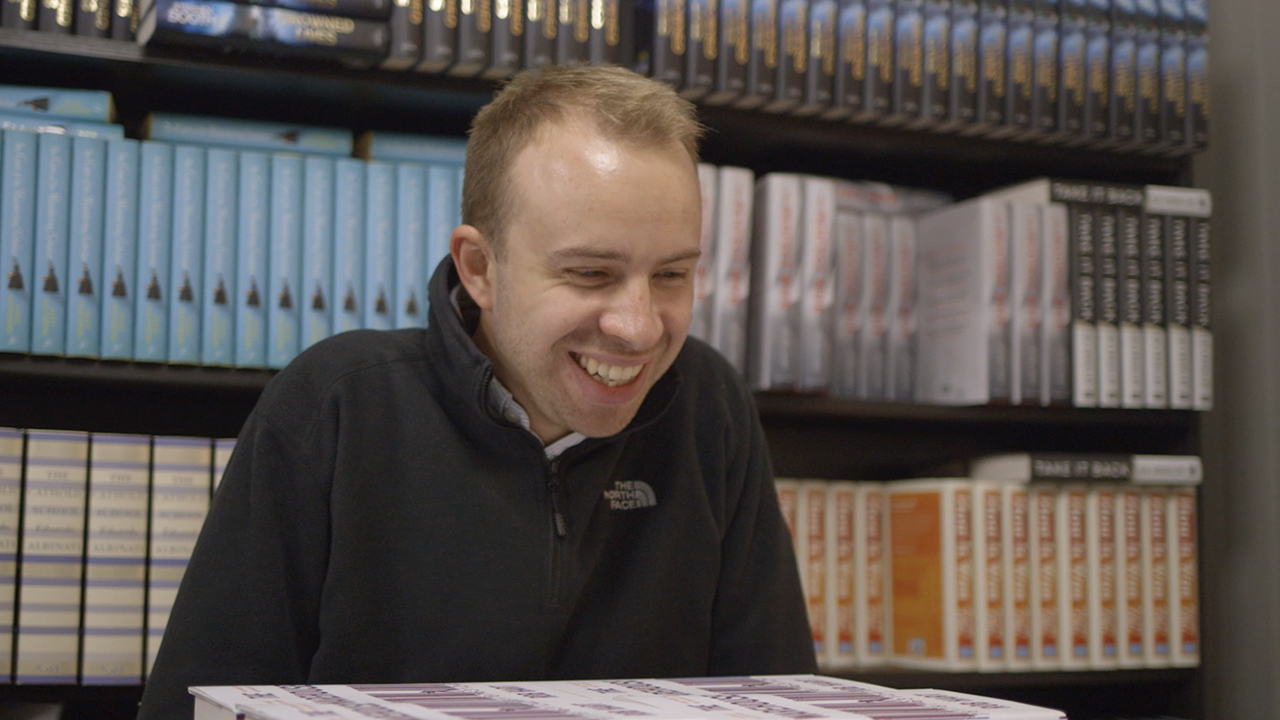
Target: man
x=549, y=482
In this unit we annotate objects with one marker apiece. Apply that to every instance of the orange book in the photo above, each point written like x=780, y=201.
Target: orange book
x=811, y=548
x=1101, y=530
x=1155, y=541
x=1073, y=577
x=1185, y=577
x=840, y=578
x=1045, y=625
x=989, y=580
x=1131, y=586
x=1017, y=569
x=871, y=576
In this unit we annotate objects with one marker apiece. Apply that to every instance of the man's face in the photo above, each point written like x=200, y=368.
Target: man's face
x=593, y=292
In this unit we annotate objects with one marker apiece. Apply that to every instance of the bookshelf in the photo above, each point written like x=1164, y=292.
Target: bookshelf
x=809, y=436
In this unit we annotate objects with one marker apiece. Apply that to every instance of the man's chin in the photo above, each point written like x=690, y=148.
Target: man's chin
x=603, y=425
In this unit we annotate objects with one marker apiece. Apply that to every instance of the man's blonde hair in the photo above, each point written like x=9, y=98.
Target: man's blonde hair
x=618, y=103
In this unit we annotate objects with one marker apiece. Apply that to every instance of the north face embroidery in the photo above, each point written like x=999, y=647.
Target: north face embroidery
x=630, y=494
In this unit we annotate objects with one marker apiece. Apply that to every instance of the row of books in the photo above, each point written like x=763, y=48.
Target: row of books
x=95, y=534
x=965, y=574
x=182, y=253
x=1046, y=293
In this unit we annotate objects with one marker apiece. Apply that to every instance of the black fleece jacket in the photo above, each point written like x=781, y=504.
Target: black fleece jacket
x=377, y=523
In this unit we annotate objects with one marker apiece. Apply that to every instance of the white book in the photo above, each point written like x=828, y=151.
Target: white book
x=1131, y=595
x=704, y=278
x=840, y=526
x=964, y=303
x=10, y=507
x=900, y=365
x=1016, y=536
x=733, y=264
x=817, y=269
x=52, y=564
x=1107, y=281
x=1056, y=370
x=1100, y=518
x=1166, y=469
x=1026, y=247
x=772, y=354
x=871, y=575
x=849, y=314
x=931, y=573
x=811, y=551
x=1184, y=573
x=222, y=449
x=1179, y=206
x=180, y=482
x=991, y=644
x=1046, y=639
x=873, y=334
x=1201, y=315
x=1073, y=577
x=116, y=559
x=1132, y=355
x=1155, y=570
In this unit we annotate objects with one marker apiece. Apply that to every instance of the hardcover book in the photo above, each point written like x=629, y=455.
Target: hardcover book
x=251, y=295
x=793, y=56
x=908, y=62
x=849, y=84
x=733, y=264
x=84, y=284
x=573, y=29
x=285, y=289
x=776, y=287
x=186, y=268
x=378, y=300
x=217, y=306
x=1071, y=69
x=506, y=37
x=902, y=358
x=411, y=269
x=119, y=256
x=439, y=36
x=404, y=31
x=1016, y=536
x=1147, y=38
x=316, y=290
x=1097, y=69
x=820, y=70
x=762, y=61
x=540, y=34
x=817, y=280
x=1173, y=76
x=1100, y=516
x=840, y=525
x=53, y=208
x=877, y=100
x=1046, y=625
x=1197, y=50
x=704, y=279
x=962, y=105
x=255, y=134
x=733, y=50
x=155, y=224
x=1124, y=72
x=348, y=245
x=935, y=97
x=701, y=19
x=475, y=23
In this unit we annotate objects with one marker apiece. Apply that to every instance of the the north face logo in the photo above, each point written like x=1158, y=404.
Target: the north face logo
x=629, y=495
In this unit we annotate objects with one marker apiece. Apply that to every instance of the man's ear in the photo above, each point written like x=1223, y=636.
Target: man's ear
x=473, y=257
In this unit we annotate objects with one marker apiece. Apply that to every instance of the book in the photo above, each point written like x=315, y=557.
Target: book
x=410, y=286
x=119, y=253
x=733, y=50
x=1197, y=50
x=1146, y=118
x=1107, y=268
x=222, y=449
x=53, y=216
x=378, y=301
x=1155, y=312
x=871, y=557
x=1184, y=573
x=218, y=305
x=444, y=193
x=1056, y=371
x=253, y=238
x=962, y=103
x=850, y=79
x=348, y=245
x=849, y=315
x=877, y=99
x=11, y=461
x=186, y=259
x=439, y=36
x=19, y=14
x=1131, y=585
x=841, y=526
x=506, y=38
x=17, y=238
x=371, y=9
x=573, y=31
x=991, y=644
x=124, y=20
x=1045, y=73
x=1020, y=48
x=1106, y=467
x=471, y=48
x=901, y=360
x=702, y=23
x=1132, y=354
x=1016, y=535
x=84, y=284
x=47, y=625
x=793, y=57
x=1097, y=70
x=540, y=34
x=992, y=69
x=180, y=481
x=820, y=68
x=1074, y=582
x=1173, y=76
x=762, y=60
x=406, y=147
x=935, y=95
x=607, y=29
x=55, y=16
x=932, y=572
x=1026, y=245
x=1201, y=316
x=404, y=35
x=734, y=213
x=817, y=281
x=788, y=490
x=155, y=224
x=92, y=18
x=316, y=289
x=1175, y=209
x=1124, y=72
x=704, y=278
x=1071, y=68
x=1046, y=639
x=60, y=126
x=247, y=134
x=776, y=285
x=1155, y=569
x=661, y=39
x=115, y=559
x=873, y=333
x=811, y=544
x=285, y=290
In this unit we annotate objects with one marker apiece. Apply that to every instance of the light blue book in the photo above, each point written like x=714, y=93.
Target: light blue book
x=92, y=105
x=249, y=134
x=254, y=213
x=411, y=246
x=53, y=215
x=380, y=243
x=119, y=252
x=317, y=250
x=155, y=224
x=404, y=147
x=457, y=202
x=186, y=276
x=285, y=293
x=17, y=239
x=348, y=244
x=58, y=126
x=84, y=267
x=442, y=212
x=217, y=305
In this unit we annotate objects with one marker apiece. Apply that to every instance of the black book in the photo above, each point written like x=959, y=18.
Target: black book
x=1021, y=54
x=1155, y=318
x=762, y=61
x=93, y=18
x=124, y=20
x=1173, y=76
x=733, y=50
x=1097, y=71
x=820, y=75
x=404, y=29
x=439, y=35
x=701, y=20
x=1147, y=111
x=1176, y=211
x=475, y=21
x=607, y=32
x=370, y=9
x=1123, y=103
x=962, y=104
x=572, y=30
x=539, y=34
x=19, y=14
x=851, y=61
x=1201, y=306
x=1129, y=248
x=1116, y=233
x=877, y=99
x=992, y=55
x=56, y=16
x=1071, y=61
x=507, y=36
x=793, y=56
x=908, y=62
x=660, y=40
x=1197, y=74
x=935, y=97
x=1044, y=70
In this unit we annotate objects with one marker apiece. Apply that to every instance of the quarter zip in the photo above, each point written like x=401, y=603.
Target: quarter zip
x=559, y=531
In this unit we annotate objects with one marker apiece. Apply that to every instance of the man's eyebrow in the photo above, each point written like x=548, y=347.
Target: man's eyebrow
x=591, y=253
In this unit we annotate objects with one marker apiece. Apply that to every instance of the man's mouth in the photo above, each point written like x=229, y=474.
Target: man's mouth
x=610, y=375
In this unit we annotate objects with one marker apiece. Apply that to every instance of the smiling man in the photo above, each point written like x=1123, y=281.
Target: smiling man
x=550, y=481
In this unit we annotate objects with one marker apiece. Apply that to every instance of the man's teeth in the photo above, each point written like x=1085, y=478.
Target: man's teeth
x=611, y=375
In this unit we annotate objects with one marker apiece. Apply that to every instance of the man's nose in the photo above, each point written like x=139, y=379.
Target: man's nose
x=632, y=316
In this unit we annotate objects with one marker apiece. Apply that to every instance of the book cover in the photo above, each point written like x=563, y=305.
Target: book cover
x=871, y=576
x=1173, y=75
x=991, y=644
x=702, y=23
x=439, y=35
x=253, y=239
x=811, y=545
x=475, y=23
x=935, y=95
x=1155, y=314
x=1155, y=570
x=962, y=103
x=316, y=291
x=849, y=314
x=540, y=34
x=777, y=288
x=444, y=197
x=733, y=50
x=348, y=245
x=1016, y=536
x=378, y=300
x=53, y=216
x=793, y=57
x=19, y=14
x=704, y=279
x=1020, y=63
x=506, y=38
x=841, y=526
x=155, y=224
x=877, y=99
x=1146, y=118
x=902, y=359
x=873, y=334
x=1073, y=577
x=992, y=70
x=817, y=280
x=1131, y=586
x=221, y=230
x=733, y=264
x=850, y=79
x=762, y=61
x=1100, y=530
x=1071, y=68
x=908, y=62
x=1045, y=75
x=92, y=18
x=46, y=648
x=1046, y=639
x=284, y=287
x=1178, y=209
x=60, y=126
x=11, y=455
x=404, y=35
x=84, y=284
x=254, y=134
x=1097, y=70
x=115, y=559
x=820, y=70
x=222, y=449
x=1129, y=242
x=180, y=481
x=1107, y=267
x=119, y=253
x=573, y=30
x=17, y=238
x=1026, y=243
x=1184, y=573
x=1124, y=72
x=411, y=269
x=186, y=259
x=1197, y=51
x=1201, y=327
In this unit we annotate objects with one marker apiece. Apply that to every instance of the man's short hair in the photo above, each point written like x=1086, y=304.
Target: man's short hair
x=620, y=104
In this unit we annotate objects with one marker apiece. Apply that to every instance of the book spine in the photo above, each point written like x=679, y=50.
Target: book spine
x=839, y=552
x=961, y=609
x=124, y=20
x=991, y=647
x=87, y=105
x=1178, y=300
x=115, y=559
x=1103, y=580
x=873, y=334
x=222, y=450
x=1155, y=568
x=848, y=304
x=921, y=532
x=61, y=126
x=1201, y=329
x=1097, y=70
x=52, y=564
x=901, y=358
x=93, y=18
x=119, y=256
x=348, y=244
x=411, y=246
x=851, y=61
x=443, y=190
x=1073, y=577
x=817, y=268
x=19, y=14
x=733, y=264
x=1124, y=72
x=475, y=22
x=811, y=547
x=186, y=276
x=762, y=61
x=1132, y=370
x=1155, y=341
x=793, y=56
x=997, y=253
x=1131, y=582
x=217, y=306
x=180, y=480
x=1027, y=245
x=733, y=51
x=1173, y=74
x=404, y=30
x=251, y=298
x=608, y=30
x=935, y=96
x=379, y=245
x=1016, y=536
x=789, y=505
x=1185, y=577
x=907, y=85
x=820, y=73
x=1108, y=307
x=1046, y=641
x=1147, y=48
x=55, y=16
x=84, y=268
x=540, y=34
x=992, y=71
x=962, y=103
x=1020, y=64
x=17, y=238
x=1197, y=51
x=1082, y=246
x=1055, y=345
x=250, y=134
x=317, y=289
x=371, y=9
x=877, y=100
x=1071, y=69
x=53, y=215
x=440, y=35
x=398, y=147
x=871, y=556
x=284, y=286
x=776, y=288
x=1045, y=73
x=506, y=37
x=700, y=55
x=704, y=278
x=11, y=461
x=155, y=220
x=573, y=30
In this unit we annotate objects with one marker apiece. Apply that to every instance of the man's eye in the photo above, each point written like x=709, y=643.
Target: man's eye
x=589, y=274
x=673, y=274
